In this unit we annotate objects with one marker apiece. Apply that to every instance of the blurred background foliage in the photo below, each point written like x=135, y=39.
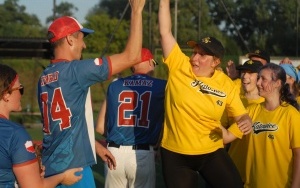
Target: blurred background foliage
x=241, y=25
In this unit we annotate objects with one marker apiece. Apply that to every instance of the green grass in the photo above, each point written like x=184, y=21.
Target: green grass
x=35, y=133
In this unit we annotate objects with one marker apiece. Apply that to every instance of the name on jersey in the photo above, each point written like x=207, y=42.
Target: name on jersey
x=49, y=78
x=206, y=89
x=260, y=127
x=147, y=83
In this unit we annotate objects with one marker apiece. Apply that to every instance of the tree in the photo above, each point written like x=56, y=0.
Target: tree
x=266, y=24
x=188, y=15
x=63, y=9
x=114, y=8
x=15, y=22
x=105, y=29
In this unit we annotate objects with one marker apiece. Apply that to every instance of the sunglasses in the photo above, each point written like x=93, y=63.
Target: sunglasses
x=20, y=88
x=154, y=63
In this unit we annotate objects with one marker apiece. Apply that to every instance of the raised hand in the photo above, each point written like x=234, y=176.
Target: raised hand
x=231, y=70
x=137, y=5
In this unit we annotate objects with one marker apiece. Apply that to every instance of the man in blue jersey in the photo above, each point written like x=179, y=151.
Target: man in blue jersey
x=64, y=95
x=131, y=119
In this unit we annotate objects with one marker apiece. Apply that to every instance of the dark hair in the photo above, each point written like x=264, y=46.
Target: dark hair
x=50, y=35
x=7, y=75
x=295, y=88
x=278, y=73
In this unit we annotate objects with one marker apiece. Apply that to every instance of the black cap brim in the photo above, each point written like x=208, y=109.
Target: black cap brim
x=193, y=44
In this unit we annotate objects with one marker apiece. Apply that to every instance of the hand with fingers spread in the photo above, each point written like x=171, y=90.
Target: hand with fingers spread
x=231, y=70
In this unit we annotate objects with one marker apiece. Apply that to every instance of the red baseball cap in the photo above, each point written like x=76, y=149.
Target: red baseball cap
x=147, y=55
x=64, y=26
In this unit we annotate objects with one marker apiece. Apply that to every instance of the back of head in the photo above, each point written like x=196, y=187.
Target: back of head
x=291, y=71
x=7, y=77
x=63, y=26
x=147, y=63
x=259, y=53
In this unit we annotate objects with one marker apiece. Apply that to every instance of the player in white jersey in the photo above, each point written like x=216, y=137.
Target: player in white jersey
x=64, y=95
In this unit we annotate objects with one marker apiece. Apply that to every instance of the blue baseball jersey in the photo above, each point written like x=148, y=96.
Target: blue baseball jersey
x=16, y=149
x=135, y=110
x=63, y=96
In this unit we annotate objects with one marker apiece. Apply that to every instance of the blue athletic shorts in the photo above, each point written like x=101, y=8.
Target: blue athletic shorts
x=87, y=180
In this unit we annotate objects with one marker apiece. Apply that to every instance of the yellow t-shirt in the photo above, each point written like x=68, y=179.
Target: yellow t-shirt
x=298, y=100
x=238, y=149
x=269, y=159
x=227, y=121
x=238, y=83
x=194, y=106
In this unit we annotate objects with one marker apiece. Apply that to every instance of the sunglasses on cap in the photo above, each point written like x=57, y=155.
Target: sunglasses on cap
x=20, y=88
x=154, y=62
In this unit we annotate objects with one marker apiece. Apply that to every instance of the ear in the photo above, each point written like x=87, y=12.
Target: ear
x=150, y=63
x=6, y=96
x=69, y=39
x=216, y=62
x=278, y=84
x=293, y=79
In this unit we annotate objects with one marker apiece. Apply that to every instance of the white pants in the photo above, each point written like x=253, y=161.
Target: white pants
x=135, y=168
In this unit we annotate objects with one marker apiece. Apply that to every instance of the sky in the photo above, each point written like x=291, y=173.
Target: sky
x=43, y=8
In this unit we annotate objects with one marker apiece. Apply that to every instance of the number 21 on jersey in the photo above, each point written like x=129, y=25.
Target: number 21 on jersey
x=129, y=101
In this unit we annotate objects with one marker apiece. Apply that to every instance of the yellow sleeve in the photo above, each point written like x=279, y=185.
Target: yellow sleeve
x=235, y=130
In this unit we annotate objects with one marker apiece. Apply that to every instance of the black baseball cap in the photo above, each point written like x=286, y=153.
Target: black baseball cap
x=210, y=45
x=250, y=65
x=259, y=53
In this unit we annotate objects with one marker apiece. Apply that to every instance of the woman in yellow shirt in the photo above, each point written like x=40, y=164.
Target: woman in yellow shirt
x=196, y=96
